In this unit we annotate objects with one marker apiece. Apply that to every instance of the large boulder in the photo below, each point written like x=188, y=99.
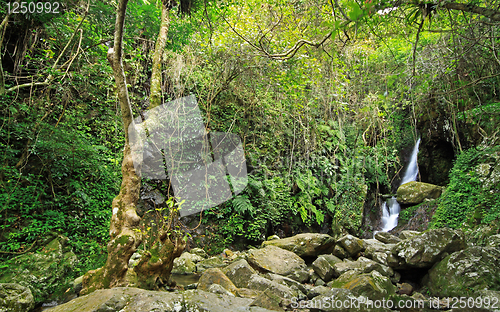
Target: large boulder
x=15, y=298
x=351, y=244
x=239, y=273
x=474, y=269
x=416, y=192
x=306, y=244
x=424, y=250
x=323, y=266
x=46, y=273
x=372, y=285
x=215, y=276
x=275, y=260
x=135, y=299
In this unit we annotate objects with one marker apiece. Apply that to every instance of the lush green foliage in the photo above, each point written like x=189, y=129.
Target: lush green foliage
x=321, y=129
x=472, y=196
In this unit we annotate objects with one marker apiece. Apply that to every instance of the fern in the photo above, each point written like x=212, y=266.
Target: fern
x=242, y=204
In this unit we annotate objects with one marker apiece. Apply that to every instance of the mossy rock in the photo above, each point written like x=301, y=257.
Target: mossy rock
x=422, y=251
x=372, y=285
x=416, y=192
x=464, y=272
x=46, y=273
x=15, y=298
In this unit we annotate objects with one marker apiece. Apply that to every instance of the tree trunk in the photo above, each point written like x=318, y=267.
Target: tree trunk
x=156, y=263
x=124, y=240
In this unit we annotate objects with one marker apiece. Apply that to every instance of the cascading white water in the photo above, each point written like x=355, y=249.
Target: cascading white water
x=412, y=170
x=391, y=208
x=390, y=214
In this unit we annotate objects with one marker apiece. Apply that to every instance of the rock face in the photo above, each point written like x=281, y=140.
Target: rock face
x=416, y=192
x=134, y=299
x=275, y=260
x=424, y=250
x=306, y=244
x=475, y=268
x=15, y=298
x=43, y=272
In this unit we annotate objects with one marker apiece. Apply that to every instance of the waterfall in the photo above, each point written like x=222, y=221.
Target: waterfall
x=390, y=214
x=391, y=208
x=412, y=170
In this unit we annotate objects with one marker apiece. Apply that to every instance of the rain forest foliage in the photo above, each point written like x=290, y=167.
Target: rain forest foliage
x=325, y=96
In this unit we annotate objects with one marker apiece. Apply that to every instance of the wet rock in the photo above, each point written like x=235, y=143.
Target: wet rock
x=15, y=298
x=306, y=244
x=275, y=260
x=215, y=276
x=407, y=234
x=387, y=238
x=239, y=273
x=416, y=192
x=424, y=250
x=475, y=268
x=323, y=266
x=351, y=244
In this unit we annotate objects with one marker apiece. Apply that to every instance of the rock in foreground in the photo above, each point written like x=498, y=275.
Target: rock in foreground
x=128, y=299
x=15, y=298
